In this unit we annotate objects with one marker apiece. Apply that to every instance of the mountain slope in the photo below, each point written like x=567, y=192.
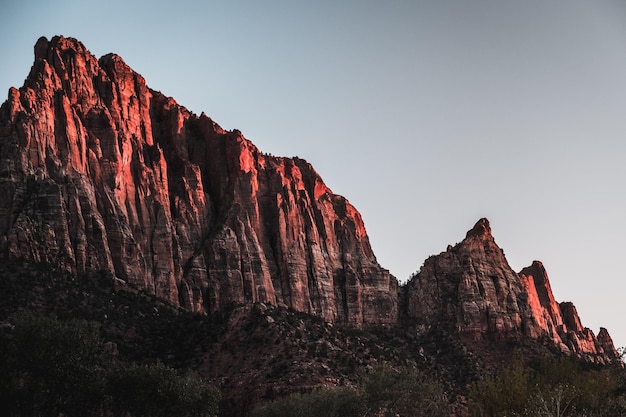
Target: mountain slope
x=102, y=173
x=472, y=290
x=98, y=172
x=252, y=353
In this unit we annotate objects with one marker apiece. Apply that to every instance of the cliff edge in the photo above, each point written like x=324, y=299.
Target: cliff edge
x=100, y=172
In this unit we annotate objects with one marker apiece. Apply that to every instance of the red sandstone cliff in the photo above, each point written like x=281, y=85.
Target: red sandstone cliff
x=472, y=290
x=98, y=171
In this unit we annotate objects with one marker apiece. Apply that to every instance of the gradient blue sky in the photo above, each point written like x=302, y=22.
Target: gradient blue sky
x=426, y=115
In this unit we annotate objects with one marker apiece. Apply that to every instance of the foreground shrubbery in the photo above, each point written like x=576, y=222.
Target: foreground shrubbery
x=51, y=368
x=157, y=390
x=339, y=402
x=384, y=392
x=549, y=388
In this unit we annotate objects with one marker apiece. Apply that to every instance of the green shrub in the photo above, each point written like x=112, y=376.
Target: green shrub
x=549, y=387
x=403, y=392
x=53, y=367
x=500, y=394
x=157, y=390
x=385, y=391
x=328, y=402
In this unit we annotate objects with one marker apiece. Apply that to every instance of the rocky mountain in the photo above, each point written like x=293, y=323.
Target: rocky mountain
x=472, y=290
x=98, y=172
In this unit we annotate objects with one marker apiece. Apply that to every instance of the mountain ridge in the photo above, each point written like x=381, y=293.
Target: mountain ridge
x=171, y=202
x=471, y=289
x=103, y=173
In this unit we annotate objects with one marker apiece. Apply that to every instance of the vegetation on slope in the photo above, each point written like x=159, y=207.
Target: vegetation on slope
x=77, y=346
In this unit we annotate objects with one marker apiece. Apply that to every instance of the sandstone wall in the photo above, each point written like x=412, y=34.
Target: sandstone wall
x=98, y=171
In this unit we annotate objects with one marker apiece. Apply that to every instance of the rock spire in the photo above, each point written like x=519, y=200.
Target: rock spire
x=472, y=290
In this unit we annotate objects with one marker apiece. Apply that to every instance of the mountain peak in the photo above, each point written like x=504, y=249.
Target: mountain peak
x=44, y=48
x=481, y=229
x=471, y=289
x=101, y=172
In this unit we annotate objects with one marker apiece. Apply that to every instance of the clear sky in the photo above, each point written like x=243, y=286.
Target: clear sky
x=426, y=115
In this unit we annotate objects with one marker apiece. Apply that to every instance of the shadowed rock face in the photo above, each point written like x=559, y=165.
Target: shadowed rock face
x=98, y=171
x=472, y=289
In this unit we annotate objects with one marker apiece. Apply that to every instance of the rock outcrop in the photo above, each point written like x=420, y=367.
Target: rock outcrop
x=472, y=290
x=98, y=171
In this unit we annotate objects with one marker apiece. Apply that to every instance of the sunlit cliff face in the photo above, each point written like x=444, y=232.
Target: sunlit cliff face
x=169, y=202
x=99, y=172
x=471, y=288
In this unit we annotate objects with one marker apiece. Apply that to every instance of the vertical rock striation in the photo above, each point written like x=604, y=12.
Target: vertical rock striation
x=472, y=290
x=98, y=171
